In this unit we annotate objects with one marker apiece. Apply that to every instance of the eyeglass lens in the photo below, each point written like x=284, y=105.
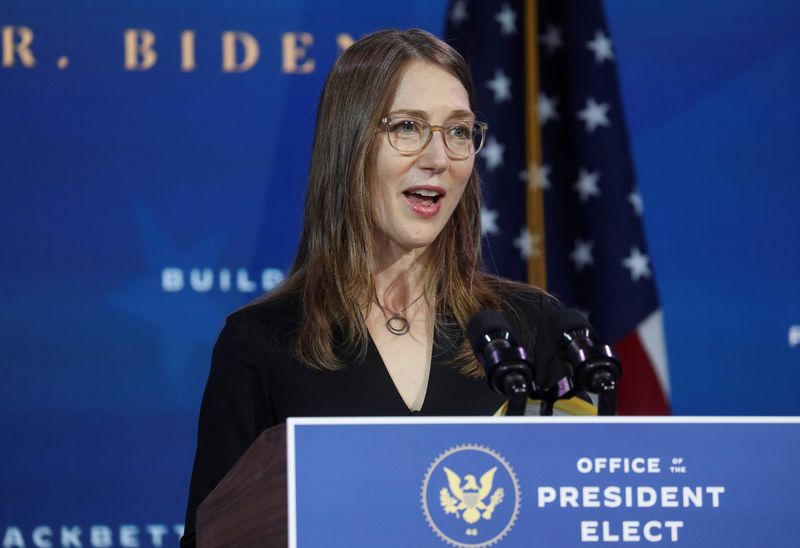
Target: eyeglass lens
x=462, y=139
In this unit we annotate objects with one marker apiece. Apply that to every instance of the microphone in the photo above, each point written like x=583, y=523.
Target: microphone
x=508, y=369
x=595, y=366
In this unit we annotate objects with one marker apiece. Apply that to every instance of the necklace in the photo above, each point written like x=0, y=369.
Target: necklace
x=397, y=324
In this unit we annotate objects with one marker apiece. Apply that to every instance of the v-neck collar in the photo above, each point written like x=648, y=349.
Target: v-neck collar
x=439, y=355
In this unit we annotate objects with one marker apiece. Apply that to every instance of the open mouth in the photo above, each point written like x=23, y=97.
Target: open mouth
x=423, y=197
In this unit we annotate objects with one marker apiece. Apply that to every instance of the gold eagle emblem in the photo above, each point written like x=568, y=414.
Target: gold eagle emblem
x=467, y=500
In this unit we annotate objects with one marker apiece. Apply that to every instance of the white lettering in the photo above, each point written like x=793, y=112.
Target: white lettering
x=694, y=495
x=625, y=465
x=97, y=536
x=715, y=493
x=590, y=499
x=157, y=533
x=669, y=497
x=201, y=281
x=673, y=527
x=630, y=531
x=43, y=537
x=608, y=536
x=243, y=281
x=101, y=536
x=613, y=497
x=270, y=278
x=172, y=279
x=225, y=280
x=648, y=531
x=640, y=496
x=794, y=336
x=646, y=497
x=129, y=536
x=71, y=536
x=13, y=538
x=584, y=465
x=546, y=495
x=569, y=497
x=589, y=531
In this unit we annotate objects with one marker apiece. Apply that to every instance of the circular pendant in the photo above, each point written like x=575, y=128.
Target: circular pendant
x=397, y=325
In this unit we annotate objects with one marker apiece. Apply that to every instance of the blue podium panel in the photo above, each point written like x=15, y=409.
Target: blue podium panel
x=558, y=481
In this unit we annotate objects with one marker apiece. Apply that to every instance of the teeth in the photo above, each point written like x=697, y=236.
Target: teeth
x=427, y=193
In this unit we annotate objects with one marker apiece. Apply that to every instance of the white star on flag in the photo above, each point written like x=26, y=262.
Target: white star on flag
x=459, y=12
x=638, y=264
x=586, y=185
x=582, y=254
x=601, y=46
x=501, y=86
x=493, y=153
x=527, y=243
x=507, y=19
x=635, y=200
x=594, y=114
x=489, y=222
x=546, y=108
x=551, y=38
x=536, y=176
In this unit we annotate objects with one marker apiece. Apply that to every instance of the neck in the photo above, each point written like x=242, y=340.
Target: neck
x=398, y=277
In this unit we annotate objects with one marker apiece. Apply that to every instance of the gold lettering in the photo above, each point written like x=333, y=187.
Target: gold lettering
x=139, y=52
x=344, y=41
x=188, y=63
x=251, y=51
x=295, y=47
x=21, y=48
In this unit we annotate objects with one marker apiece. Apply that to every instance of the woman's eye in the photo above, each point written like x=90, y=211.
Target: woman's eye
x=406, y=126
x=460, y=132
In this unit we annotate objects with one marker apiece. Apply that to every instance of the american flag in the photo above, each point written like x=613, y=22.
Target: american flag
x=562, y=209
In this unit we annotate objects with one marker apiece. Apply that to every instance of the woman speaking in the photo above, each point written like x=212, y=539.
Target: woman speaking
x=371, y=319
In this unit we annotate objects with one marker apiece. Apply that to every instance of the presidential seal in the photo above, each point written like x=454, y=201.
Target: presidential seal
x=470, y=496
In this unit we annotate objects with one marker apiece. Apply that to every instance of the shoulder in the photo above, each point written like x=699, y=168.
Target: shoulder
x=519, y=299
x=267, y=320
x=528, y=309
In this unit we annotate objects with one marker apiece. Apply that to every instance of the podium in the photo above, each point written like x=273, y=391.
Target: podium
x=248, y=507
x=512, y=481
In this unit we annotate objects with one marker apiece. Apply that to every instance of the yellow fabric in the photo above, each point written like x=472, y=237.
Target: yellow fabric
x=573, y=406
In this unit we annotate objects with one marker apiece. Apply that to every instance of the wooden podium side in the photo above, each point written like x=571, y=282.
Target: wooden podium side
x=248, y=507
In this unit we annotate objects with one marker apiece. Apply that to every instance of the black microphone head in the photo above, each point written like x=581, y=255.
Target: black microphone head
x=485, y=324
x=569, y=320
x=496, y=348
x=578, y=344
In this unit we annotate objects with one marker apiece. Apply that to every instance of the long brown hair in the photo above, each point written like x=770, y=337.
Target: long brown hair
x=333, y=273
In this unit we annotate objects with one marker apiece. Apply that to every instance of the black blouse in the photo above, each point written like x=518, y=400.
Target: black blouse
x=256, y=383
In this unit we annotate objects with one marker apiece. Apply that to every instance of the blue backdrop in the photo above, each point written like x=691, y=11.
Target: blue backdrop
x=148, y=189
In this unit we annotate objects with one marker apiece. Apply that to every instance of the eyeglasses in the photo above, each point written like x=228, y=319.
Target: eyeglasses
x=411, y=135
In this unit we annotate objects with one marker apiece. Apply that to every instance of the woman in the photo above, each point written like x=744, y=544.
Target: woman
x=371, y=319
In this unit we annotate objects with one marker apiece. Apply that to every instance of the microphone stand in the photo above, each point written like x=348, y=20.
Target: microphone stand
x=516, y=388
x=606, y=394
x=562, y=389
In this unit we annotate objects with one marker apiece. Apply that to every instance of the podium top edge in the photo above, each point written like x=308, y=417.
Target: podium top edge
x=355, y=421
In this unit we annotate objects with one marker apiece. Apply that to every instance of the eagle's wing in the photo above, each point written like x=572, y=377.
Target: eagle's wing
x=454, y=482
x=487, y=480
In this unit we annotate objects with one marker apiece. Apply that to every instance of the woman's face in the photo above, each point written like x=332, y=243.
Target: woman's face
x=415, y=194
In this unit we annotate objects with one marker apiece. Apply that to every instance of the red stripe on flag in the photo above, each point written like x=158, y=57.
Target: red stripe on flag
x=640, y=392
